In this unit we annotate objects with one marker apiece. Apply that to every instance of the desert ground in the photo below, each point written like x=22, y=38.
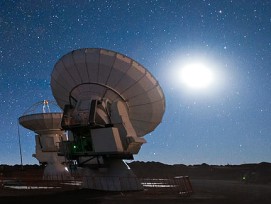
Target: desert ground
x=248, y=183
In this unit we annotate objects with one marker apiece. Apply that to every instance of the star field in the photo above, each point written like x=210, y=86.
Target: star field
x=231, y=124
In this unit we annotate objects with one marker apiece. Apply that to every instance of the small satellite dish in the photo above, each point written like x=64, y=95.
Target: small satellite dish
x=104, y=74
x=41, y=122
x=49, y=133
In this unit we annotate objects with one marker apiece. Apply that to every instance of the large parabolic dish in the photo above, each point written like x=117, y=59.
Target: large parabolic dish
x=103, y=74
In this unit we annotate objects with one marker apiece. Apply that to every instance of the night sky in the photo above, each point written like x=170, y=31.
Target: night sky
x=226, y=123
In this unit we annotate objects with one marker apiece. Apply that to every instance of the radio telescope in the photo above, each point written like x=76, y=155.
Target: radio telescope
x=110, y=102
x=47, y=126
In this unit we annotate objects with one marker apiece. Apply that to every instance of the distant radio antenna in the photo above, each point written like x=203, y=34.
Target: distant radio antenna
x=46, y=106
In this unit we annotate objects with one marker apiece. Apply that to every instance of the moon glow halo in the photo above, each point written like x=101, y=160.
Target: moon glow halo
x=196, y=76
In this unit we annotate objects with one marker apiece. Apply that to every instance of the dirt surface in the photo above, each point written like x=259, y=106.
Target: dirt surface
x=225, y=191
x=247, y=184
x=205, y=191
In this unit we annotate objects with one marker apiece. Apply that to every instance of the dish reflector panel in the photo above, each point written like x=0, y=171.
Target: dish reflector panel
x=103, y=74
x=41, y=121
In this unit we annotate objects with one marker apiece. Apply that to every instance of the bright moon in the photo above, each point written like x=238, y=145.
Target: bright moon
x=196, y=76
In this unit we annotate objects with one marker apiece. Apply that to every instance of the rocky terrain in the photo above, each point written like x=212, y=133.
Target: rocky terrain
x=249, y=173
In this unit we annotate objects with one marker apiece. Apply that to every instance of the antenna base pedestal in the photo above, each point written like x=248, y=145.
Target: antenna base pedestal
x=116, y=176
